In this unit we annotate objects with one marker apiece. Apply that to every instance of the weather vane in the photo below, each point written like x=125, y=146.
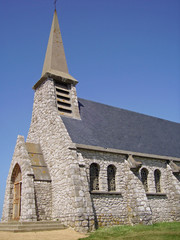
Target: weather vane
x=55, y=4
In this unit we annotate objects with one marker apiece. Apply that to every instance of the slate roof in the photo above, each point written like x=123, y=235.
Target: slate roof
x=110, y=127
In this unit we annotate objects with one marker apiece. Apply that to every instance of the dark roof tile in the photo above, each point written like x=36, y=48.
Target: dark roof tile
x=109, y=127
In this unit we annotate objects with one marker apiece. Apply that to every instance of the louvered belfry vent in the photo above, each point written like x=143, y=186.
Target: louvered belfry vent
x=63, y=98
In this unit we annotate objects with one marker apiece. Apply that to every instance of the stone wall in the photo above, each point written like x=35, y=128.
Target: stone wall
x=158, y=202
x=43, y=200
x=108, y=209
x=138, y=208
x=48, y=130
x=173, y=183
x=21, y=158
x=161, y=204
x=130, y=203
x=75, y=105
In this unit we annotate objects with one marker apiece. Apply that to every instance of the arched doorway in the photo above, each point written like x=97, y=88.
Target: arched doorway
x=17, y=182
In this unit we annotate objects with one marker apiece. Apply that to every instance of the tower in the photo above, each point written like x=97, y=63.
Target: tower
x=47, y=161
x=55, y=67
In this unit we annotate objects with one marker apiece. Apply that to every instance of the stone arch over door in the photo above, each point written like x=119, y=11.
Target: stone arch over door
x=16, y=180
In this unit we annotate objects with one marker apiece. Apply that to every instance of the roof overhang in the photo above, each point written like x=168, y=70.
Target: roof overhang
x=123, y=152
x=175, y=168
x=58, y=76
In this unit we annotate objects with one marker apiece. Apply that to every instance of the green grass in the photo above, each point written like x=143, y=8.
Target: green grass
x=158, y=231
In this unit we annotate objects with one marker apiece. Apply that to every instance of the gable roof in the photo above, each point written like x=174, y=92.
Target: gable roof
x=110, y=127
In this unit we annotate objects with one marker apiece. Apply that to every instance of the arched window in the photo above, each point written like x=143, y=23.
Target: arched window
x=144, y=178
x=16, y=174
x=157, y=178
x=94, y=176
x=111, y=172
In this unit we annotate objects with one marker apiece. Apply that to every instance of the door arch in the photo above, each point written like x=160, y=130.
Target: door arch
x=17, y=185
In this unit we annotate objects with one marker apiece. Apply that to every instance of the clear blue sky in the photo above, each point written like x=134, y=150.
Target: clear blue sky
x=124, y=53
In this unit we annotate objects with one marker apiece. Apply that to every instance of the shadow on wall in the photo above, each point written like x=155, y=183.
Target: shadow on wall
x=95, y=214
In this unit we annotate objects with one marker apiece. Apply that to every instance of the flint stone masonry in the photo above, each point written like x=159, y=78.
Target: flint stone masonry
x=21, y=158
x=134, y=205
x=43, y=200
x=61, y=162
x=109, y=209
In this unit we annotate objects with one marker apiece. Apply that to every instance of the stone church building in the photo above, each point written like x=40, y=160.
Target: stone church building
x=87, y=164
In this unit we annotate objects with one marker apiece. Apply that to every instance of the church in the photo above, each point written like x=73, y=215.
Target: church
x=88, y=164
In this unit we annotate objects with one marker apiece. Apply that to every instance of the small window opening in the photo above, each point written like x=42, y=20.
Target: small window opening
x=62, y=85
x=94, y=177
x=144, y=178
x=111, y=172
x=62, y=91
x=157, y=178
x=64, y=104
x=63, y=97
x=64, y=110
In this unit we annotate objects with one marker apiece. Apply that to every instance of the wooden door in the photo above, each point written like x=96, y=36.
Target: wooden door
x=17, y=195
x=17, y=201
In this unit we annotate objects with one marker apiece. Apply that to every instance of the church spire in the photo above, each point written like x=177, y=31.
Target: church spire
x=55, y=57
x=55, y=65
x=55, y=70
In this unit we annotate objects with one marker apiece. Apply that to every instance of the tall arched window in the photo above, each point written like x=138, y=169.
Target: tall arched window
x=157, y=179
x=94, y=176
x=111, y=174
x=144, y=178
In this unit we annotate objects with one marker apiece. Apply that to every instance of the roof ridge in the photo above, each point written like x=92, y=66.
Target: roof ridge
x=131, y=111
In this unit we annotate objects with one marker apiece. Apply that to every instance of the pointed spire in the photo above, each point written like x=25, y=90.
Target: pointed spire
x=55, y=65
x=55, y=57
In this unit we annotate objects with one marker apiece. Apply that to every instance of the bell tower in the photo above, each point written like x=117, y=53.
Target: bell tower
x=55, y=68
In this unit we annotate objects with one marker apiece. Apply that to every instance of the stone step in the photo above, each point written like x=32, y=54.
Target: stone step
x=29, y=223
x=31, y=226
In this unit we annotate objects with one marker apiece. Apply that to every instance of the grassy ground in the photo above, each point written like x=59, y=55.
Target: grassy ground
x=158, y=231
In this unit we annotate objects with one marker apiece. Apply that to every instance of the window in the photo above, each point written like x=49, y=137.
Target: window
x=63, y=98
x=144, y=178
x=111, y=172
x=157, y=176
x=94, y=176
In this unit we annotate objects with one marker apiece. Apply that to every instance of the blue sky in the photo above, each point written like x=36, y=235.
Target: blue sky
x=124, y=53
